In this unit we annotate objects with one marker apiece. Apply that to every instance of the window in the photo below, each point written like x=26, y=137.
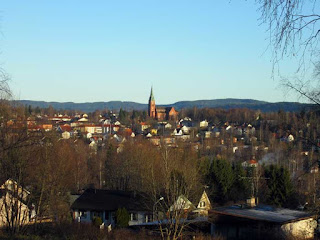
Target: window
x=95, y=214
x=133, y=217
x=83, y=214
x=202, y=204
x=148, y=218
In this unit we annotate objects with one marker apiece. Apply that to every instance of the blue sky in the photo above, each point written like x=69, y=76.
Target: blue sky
x=85, y=51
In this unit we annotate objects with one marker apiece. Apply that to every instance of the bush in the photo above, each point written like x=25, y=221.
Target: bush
x=97, y=221
x=123, y=217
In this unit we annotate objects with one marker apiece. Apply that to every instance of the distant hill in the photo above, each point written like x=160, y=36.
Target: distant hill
x=228, y=103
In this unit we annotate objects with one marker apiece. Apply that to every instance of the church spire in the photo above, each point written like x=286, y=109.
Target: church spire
x=151, y=95
x=152, y=105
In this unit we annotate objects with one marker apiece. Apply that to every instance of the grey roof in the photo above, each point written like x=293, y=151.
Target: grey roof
x=263, y=213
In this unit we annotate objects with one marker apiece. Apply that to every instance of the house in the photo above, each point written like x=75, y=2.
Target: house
x=143, y=126
x=262, y=222
x=177, y=132
x=182, y=203
x=250, y=163
x=204, y=205
x=185, y=129
x=91, y=128
x=203, y=124
x=105, y=203
x=290, y=138
x=13, y=196
x=83, y=119
x=186, y=122
x=64, y=127
x=66, y=135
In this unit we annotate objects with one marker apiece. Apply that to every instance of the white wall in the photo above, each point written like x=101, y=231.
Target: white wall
x=303, y=229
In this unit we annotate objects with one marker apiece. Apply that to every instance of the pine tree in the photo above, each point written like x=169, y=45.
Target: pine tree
x=221, y=179
x=123, y=217
x=279, y=184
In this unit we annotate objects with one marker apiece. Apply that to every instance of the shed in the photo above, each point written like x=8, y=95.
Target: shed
x=262, y=222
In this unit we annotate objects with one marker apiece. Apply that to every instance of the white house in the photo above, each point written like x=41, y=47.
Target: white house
x=66, y=135
x=185, y=129
x=13, y=196
x=177, y=132
x=204, y=124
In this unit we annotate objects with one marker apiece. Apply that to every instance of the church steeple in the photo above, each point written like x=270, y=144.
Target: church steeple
x=151, y=95
x=152, y=105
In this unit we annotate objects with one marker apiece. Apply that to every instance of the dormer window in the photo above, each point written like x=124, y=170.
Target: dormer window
x=202, y=204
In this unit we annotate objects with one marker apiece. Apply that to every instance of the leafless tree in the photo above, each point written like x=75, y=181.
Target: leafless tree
x=293, y=27
x=5, y=92
x=294, y=32
x=173, y=191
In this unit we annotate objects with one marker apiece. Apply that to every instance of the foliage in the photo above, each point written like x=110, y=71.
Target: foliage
x=241, y=185
x=223, y=104
x=122, y=217
x=221, y=179
x=96, y=221
x=279, y=184
x=123, y=115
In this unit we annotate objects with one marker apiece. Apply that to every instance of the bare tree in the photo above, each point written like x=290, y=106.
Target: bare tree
x=5, y=92
x=177, y=182
x=294, y=32
x=293, y=27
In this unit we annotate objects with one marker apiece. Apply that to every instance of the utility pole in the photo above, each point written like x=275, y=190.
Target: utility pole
x=255, y=180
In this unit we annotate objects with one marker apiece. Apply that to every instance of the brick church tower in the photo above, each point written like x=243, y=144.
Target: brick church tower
x=152, y=106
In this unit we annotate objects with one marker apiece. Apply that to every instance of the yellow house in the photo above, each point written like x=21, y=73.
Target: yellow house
x=154, y=131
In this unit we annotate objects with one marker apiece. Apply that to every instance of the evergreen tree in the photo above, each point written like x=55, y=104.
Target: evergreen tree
x=241, y=185
x=280, y=186
x=144, y=115
x=29, y=110
x=135, y=115
x=122, y=217
x=221, y=179
x=122, y=115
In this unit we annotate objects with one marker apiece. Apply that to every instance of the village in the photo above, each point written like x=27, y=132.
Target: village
x=223, y=187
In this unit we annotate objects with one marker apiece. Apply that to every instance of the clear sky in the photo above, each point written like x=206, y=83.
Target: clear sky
x=85, y=51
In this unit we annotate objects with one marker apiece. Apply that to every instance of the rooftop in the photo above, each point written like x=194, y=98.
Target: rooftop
x=108, y=200
x=263, y=213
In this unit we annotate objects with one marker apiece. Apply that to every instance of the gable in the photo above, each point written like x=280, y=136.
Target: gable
x=204, y=202
x=182, y=203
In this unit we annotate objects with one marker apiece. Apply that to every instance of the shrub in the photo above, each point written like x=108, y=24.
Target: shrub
x=123, y=217
x=97, y=221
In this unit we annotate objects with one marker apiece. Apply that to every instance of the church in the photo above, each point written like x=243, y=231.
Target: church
x=161, y=113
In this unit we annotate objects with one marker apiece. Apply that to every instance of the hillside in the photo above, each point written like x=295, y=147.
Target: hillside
x=228, y=103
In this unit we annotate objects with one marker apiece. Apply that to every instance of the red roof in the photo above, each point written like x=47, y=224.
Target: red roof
x=252, y=161
x=67, y=128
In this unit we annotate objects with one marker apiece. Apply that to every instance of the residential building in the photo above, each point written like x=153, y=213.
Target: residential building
x=262, y=222
x=13, y=204
x=105, y=203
